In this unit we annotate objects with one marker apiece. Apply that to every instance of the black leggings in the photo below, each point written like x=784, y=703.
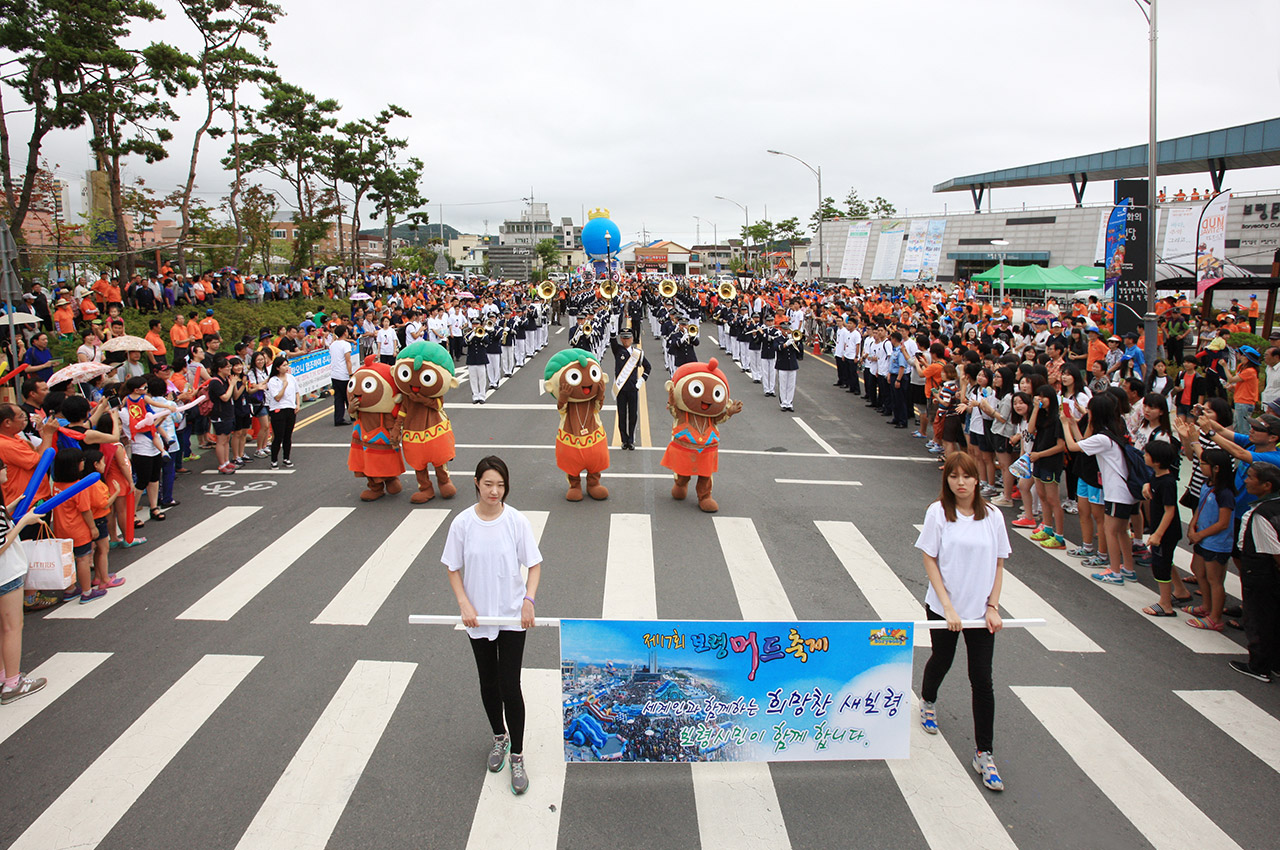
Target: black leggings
x=979, y=645
x=282, y=431
x=498, y=662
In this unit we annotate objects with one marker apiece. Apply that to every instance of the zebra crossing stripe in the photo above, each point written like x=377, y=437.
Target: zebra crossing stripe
x=63, y=670
x=1058, y=634
x=875, y=579
x=239, y=588
x=737, y=803
x=86, y=811
x=155, y=563
x=1250, y=726
x=946, y=803
x=537, y=811
x=366, y=591
x=303, y=808
x=1133, y=785
x=1230, y=581
x=630, y=589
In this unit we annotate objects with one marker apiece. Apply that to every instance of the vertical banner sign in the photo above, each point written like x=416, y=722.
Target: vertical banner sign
x=1213, y=239
x=680, y=691
x=1131, y=287
x=888, y=248
x=932, y=250
x=1179, y=245
x=1115, y=244
x=855, y=250
x=1100, y=252
x=913, y=257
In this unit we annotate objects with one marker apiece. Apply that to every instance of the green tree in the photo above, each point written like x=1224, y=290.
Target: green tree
x=789, y=230
x=548, y=251
x=828, y=212
x=854, y=206
x=880, y=208
x=222, y=66
x=395, y=191
x=257, y=214
x=357, y=156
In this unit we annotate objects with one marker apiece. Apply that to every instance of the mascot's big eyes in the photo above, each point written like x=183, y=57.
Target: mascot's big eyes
x=368, y=384
x=427, y=377
x=718, y=393
x=351, y=385
x=574, y=377
x=595, y=373
x=696, y=389
x=404, y=373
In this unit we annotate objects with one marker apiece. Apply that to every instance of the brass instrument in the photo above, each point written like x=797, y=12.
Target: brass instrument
x=727, y=291
x=667, y=289
x=608, y=290
x=488, y=326
x=585, y=328
x=547, y=290
x=691, y=329
x=795, y=339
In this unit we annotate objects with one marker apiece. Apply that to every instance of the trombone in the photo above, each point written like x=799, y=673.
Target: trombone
x=796, y=338
x=488, y=326
x=585, y=328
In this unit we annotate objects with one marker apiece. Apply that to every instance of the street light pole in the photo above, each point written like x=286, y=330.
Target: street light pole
x=817, y=172
x=746, y=224
x=1149, y=320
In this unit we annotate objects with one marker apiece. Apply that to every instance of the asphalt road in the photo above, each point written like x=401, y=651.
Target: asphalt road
x=259, y=684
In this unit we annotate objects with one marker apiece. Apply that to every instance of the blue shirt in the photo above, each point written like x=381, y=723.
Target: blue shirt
x=1211, y=502
x=899, y=361
x=1243, y=497
x=1136, y=358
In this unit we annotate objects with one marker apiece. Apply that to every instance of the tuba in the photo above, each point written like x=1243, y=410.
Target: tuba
x=667, y=289
x=727, y=291
x=608, y=290
x=547, y=290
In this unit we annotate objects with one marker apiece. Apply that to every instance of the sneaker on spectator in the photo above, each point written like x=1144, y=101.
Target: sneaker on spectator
x=929, y=717
x=1070, y=508
x=40, y=601
x=275, y=464
x=261, y=453
x=1025, y=522
x=1129, y=575
x=498, y=754
x=1053, y=542
x=1082, y=551
x=1097, y=560
x=288, y=463
x=1040, y=534
x=519, y=778
x=96, y=593
x=193, y=456
x=1108, y=577
x=1002, y=502
x=1243, y=667
x=1140, y=549
x=26, y=687
x=986, y=768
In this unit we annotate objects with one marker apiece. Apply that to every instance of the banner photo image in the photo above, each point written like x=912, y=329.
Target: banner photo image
x=698, y=691
x=1213, y=239
x=913, y=257
x=855, y=250
x=888, y=247
x=932, y=255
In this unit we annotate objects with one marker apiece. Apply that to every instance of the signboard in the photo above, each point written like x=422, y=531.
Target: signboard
x=914, y=254
x=1213, y=238
x=311, y=371
x=932, y=250
x=1115, y=244
x=1179, y=245
x=1131, y=287
x=887, y=250
x=689, y=691
x=855, y=250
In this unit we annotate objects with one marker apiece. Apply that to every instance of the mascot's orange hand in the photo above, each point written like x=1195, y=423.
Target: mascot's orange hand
x=733, y=408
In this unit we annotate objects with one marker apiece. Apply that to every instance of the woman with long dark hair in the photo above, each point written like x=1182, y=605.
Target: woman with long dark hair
x=1109, y=434
x=282, y=402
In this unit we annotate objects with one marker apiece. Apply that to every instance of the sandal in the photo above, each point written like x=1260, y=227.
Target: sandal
x=1154, y=610
x=1196, y=610
x=137, y=541
x=1183, y=601
x=1204, y=623
x=1235, y=624
x=114, y=580
x=1190, y=580
x=138, y=523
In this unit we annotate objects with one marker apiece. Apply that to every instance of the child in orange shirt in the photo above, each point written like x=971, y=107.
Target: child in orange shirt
x=101, y=503
x=74, y=519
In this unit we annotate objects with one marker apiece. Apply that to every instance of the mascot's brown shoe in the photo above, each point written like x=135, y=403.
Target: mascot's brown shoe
x=575, y=489
x=705, y=501
x=681, y=488
x=425, y=492
x=393, y=486
x=595, y=489
x=447, y=488
x=375, y=491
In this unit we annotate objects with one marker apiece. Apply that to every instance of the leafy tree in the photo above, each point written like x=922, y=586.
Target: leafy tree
x=789, y=230
x=358, y=156
x=395, y=190
x=854, y=206
x=880, y=208
x=257, y=214
x=222, y=66
x=548, y=251
x=828, y=211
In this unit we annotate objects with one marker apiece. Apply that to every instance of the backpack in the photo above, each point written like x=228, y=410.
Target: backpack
x=1137, y=473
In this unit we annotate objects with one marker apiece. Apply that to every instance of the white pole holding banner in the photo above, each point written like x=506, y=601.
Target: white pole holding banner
x=554, y=622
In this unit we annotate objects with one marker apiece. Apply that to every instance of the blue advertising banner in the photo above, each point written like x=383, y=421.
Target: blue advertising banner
x=692, y=691
x=311, y=371
x=1117, y=225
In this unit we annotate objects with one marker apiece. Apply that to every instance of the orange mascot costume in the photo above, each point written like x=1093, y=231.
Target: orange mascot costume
x=698, y=398
x=423, y=373
x=575, y=378
x=375, y=438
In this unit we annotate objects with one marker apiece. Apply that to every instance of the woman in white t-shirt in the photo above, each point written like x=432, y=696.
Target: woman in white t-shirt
x=282, y=402
x=387, y=342
x=1118, y=503
x=13, y=571
x=484, y=552
x=964, y=542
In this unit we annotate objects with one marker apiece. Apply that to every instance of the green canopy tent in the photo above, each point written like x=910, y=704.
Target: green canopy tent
x=992, y=275
x=1057, y=279
x=1093, y=273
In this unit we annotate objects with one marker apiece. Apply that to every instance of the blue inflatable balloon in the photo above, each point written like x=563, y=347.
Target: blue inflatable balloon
x=593, y=241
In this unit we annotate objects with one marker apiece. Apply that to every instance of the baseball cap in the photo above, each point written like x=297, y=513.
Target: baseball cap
x=208, y=312
x=1093, y=329
x=1268, y=422
x=1056, y=325
x=1274, y=406
x=1113, y=339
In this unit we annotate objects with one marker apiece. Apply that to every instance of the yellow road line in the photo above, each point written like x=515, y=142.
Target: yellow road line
x=305, y=422
x=646, y=441
x=824, y=360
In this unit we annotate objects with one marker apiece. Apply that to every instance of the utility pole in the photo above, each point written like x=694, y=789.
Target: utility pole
x=1149, y=320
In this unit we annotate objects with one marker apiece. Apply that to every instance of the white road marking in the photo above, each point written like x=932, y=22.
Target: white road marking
x=306, y=803
x=1130, y=782
x=559, y=331
x=245, y=471
x=159, y=560
x=755, y=581
x=63, y=670
x=823, y=444
x=827, y=482
x=366, y=591
x=1058, y=634
x=1252, y=728
x=655, y=476
x=92, y=805
x=537, y=810
x=548, y=405
x=630, y=589
x=238, y=589
x=886, y=593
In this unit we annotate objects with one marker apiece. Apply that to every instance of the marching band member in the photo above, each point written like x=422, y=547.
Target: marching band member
x=477, y=360
x=770, y=339
x=507, y=342
x=754, y=341
x=493, y=350
x=631, y=368
x=788, y=364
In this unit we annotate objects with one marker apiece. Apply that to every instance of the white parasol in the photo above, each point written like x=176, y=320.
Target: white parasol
x=79, y=372
x=128, y=343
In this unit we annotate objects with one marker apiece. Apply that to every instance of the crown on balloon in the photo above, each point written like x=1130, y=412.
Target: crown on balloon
x=598, y=212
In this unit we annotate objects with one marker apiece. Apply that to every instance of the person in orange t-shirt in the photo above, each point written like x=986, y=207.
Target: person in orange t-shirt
x=181, y=340
x=156, y=339
x=73, y=519
x=193, y=330
x=18, y=456
x=1097, y=348
x=101, y=291
x=64, y=318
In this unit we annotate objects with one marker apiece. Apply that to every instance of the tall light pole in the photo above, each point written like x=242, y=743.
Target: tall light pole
x=1001, y=243
x=746, y=223
x=1149, y=320
x=817, y=172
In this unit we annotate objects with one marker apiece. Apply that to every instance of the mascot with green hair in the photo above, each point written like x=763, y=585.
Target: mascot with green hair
x=423, y=373
x=576, y=380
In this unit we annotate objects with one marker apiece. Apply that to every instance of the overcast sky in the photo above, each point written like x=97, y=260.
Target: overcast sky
x=653, y=109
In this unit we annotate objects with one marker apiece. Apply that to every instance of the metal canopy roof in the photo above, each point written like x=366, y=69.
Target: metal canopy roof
x=1246, y=146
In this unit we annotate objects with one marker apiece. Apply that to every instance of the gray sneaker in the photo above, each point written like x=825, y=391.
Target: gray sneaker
x=25, y=688
x=499, y=753
x=519, y=779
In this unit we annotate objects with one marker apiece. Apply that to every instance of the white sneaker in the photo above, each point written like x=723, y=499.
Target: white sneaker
x=26, y=687
x=986, y=768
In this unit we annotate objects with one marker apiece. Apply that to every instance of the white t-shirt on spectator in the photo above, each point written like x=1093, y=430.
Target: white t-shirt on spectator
x=338, y=351
x=966, y=551
x=1111, y=466
x=490, y=554
x=387, y=341
x=289, y=399
x=141, y=444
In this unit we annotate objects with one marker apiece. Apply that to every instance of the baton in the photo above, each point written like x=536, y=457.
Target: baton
x=49, y=504
x=29, y=495
x=554, y=622
x=8, y=377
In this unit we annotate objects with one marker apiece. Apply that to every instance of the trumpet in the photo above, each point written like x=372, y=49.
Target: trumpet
x=796, y=338
x=608, y=290
x=586, y=328
x=691, y=330
x=547, y=290
x=727, y=291
x=488, y=326
x=667, y=289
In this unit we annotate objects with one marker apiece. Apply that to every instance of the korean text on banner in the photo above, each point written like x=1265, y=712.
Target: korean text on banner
x=684, y=691
x=855, y=250
x=311, y=371
x=932, y=256
x=1180, y=236
x=888, y=248
x=913, y=257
